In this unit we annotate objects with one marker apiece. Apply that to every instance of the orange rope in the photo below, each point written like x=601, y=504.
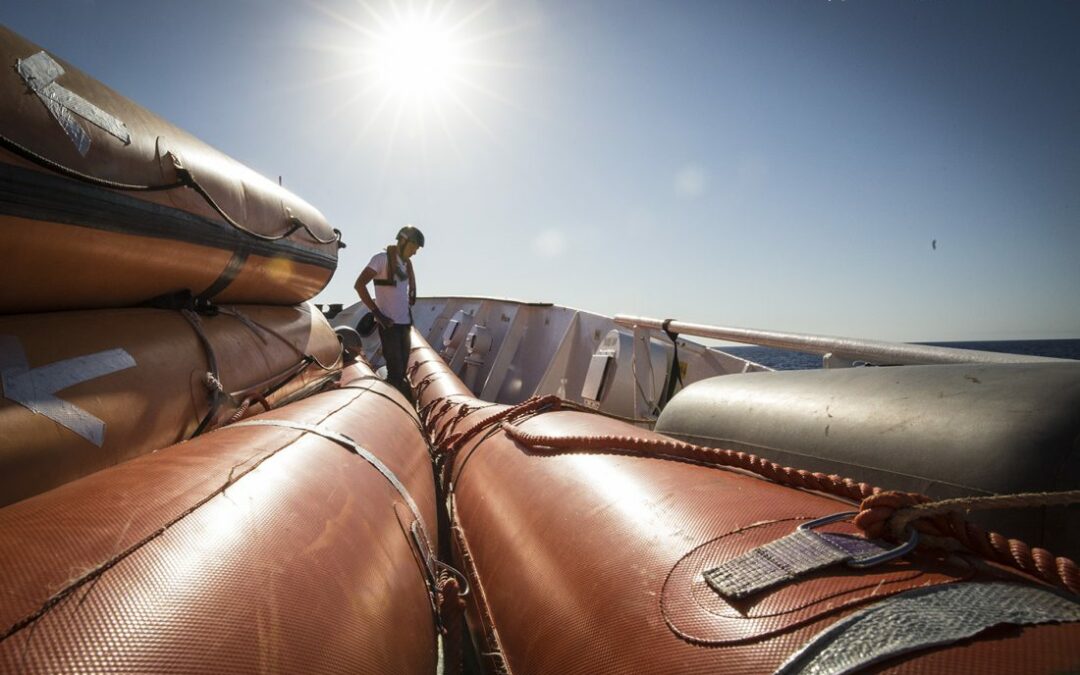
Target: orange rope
x=939, y=529
x=876, y=506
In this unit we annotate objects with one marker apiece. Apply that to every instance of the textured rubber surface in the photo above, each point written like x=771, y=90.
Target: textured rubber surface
x=301, y=563
x=570, y=553
x=158, y=401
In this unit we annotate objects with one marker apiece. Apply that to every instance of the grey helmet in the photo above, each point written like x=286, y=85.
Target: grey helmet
x=410, y=233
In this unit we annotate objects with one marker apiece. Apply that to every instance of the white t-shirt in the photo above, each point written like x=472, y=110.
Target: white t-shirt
x=393, y=301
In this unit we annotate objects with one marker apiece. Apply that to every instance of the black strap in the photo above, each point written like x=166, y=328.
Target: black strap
x=676, y=372
x=392, y=269
x=236, y=263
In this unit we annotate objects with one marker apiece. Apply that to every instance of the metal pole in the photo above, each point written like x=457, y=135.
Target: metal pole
x=852, y=349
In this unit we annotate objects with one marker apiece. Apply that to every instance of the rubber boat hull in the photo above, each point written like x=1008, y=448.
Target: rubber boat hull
x=85, y=390
x=76, y=238
x=945, y=431
x=590, y=560
x=249, y=549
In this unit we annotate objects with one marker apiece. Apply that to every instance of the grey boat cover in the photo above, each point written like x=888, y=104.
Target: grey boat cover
x=944, y=431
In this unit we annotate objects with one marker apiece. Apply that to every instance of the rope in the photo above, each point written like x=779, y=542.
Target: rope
x=184, y=179
x=451, y=615
x=56, y=167
x=902, y=517
x=255, y=326
x=947, y=529
x=941, y=525
x=798, y=478
x=212, y=378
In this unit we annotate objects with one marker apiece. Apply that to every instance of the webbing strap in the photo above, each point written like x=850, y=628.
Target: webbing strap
x=786, y=559
x=353, y=447
x=926, y=617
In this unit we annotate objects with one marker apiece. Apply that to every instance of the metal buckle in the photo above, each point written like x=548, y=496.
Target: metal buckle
x=901, y=550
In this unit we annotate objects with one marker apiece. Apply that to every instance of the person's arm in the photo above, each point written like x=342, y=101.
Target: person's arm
x=361, y=288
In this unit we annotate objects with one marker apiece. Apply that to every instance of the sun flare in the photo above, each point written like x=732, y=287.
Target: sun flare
x=416, y=57
x=419, y=77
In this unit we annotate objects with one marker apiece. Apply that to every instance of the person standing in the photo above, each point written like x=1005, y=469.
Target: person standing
x=391, y=272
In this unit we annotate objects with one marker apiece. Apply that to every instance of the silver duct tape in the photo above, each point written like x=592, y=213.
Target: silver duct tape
x=88, y=111
x=40, y=72
x=35, y=388
x=79, y=137
x=923, y=618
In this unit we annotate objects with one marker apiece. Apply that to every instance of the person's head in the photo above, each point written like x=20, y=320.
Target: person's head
x=409, y=241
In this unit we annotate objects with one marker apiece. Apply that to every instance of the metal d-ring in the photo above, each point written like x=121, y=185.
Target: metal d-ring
x=901, y=550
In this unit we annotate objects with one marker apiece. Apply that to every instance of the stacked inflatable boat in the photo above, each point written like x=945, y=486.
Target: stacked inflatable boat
x=191, y=481
x=154, y=290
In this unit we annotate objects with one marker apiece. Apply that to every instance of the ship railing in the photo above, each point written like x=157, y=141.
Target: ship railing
x=836, y=352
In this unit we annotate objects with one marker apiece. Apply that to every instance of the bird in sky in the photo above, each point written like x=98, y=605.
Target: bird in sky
x=933, y=244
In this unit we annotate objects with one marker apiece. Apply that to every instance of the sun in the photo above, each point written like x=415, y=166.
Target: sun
x=417, y=58
x=419, y=77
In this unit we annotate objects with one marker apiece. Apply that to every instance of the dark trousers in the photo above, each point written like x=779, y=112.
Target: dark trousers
x=396, y=345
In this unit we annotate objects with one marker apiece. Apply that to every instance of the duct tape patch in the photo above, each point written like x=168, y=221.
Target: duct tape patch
x=40, y=72
x=35, y=388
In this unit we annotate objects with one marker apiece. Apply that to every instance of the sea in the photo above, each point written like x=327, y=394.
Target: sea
x=780, y=359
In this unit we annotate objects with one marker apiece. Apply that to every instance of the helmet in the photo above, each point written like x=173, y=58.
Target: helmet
x=410, y=233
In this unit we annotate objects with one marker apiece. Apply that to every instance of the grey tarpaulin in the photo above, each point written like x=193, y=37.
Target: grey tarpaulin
x=923, y=618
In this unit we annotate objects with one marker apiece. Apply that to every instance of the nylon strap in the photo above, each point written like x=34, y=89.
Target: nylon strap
x=392, y=275
x=926, y=617
x=784, y=560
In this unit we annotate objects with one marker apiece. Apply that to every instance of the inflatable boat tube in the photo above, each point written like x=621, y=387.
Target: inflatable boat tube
x=584, y=558
x=85, y=390
x=255, y=548
x=944, y=431
x=104, y=204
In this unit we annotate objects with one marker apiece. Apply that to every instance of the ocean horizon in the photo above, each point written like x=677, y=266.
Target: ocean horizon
x=781, y=359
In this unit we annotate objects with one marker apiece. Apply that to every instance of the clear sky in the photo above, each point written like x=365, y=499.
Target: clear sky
x=782, y=165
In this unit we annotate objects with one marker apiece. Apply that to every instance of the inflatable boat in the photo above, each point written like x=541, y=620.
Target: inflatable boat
x=300, y=540
x=108, y=205
x=190, y=486
x=84, y=390
x=594, y=546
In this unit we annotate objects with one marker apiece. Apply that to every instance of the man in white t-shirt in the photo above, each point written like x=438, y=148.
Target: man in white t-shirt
x=391, y=272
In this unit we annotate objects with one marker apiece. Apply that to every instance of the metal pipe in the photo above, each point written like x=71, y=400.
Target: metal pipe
x=871, y=351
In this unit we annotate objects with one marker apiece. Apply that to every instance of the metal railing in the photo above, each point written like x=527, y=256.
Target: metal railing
x=835, y=350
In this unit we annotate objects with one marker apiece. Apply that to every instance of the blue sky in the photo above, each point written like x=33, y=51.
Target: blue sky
x=779, y=165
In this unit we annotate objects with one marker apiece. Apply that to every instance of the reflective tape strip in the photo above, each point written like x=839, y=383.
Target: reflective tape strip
x=34, y=388
x=923, y=618
x=785, y=559
x=40, y=72
x=352, y=446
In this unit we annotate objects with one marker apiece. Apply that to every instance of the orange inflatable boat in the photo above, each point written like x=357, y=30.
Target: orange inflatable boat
x=85, y=390
x=103, y=204
x=299, y=541
x=593, y=546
